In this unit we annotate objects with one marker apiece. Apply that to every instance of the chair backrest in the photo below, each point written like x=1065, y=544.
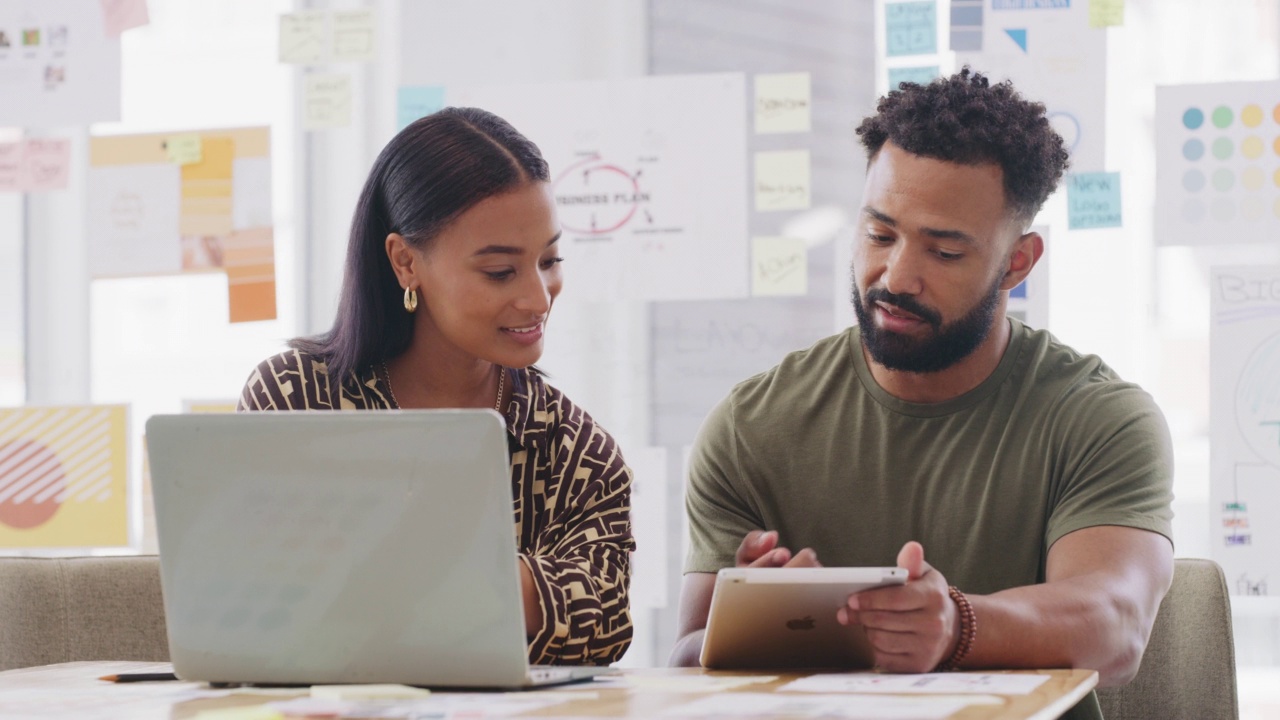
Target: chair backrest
x=56, y=610
x=1189, y=669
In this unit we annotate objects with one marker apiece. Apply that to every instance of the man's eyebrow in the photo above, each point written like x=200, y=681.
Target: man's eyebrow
x=957, y=235
x=510, y=249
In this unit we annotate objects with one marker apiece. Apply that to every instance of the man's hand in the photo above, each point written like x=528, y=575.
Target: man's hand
x=912, y=627
x=760, y=549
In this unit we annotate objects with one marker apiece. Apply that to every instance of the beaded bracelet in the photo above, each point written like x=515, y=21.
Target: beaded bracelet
x=968, y=630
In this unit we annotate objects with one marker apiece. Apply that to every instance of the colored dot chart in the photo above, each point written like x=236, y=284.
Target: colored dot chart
x=1218, y=163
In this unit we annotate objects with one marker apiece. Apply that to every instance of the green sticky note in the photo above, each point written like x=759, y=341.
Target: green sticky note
x=1093, y=200
x=184, y=149
x=1106, y=13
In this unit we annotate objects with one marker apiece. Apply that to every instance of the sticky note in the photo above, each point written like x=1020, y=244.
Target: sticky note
x=11, y=167
x=1093, y=200
x=417, y=102
x=782, y=180
x=920, y=75
x=782, y=103
x=911, y=28
x=303, y=37
x=779, y=266
x=326, y=101
x=246, y=712
x=121, y=15
x=184, y=149
x=367, y=692
x=1106, y=13
x=47, y=163
x=353, y=35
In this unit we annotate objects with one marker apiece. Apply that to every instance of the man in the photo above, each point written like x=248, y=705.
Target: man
x=1037, y=482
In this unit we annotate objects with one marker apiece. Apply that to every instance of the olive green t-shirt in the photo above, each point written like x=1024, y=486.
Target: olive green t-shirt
x=1052, y=442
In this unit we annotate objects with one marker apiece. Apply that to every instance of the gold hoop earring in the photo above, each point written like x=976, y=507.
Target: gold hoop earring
x=410, y=300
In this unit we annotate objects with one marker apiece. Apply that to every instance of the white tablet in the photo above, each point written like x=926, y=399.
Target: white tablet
x=786, y=617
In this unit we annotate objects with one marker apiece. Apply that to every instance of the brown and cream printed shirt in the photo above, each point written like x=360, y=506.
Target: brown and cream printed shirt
x=571, y=489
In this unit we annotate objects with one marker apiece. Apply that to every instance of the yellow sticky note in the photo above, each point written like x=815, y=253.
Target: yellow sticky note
x=1106, y=13
x=367, y=692
x=303, y=37
x=353, y=35
x=782, y=180
x=247, y=712
x=782, y=103
x=779, y=266
x=326, y=100
x=184, y=149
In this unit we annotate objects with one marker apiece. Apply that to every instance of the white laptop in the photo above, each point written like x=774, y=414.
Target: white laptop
x=341, y=547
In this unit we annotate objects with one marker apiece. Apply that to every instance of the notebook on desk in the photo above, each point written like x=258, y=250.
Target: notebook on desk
x=341, y=547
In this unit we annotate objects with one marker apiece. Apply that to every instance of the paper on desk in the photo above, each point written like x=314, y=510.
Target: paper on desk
x=682, y=683
x=880, y=707
x=933, y=683
x=246, y=712
x=441, y=705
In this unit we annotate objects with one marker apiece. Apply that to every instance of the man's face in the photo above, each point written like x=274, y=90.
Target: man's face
x=930, y=262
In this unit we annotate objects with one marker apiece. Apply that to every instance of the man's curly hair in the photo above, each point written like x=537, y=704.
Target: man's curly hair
x=965, y=119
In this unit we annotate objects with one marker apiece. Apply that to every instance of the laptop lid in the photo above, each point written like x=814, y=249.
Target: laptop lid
x=338, y=547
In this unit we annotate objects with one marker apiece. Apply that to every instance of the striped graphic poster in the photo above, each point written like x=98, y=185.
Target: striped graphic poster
x=63, y=476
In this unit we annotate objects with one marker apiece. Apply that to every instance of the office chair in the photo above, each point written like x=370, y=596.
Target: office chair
x=55, y=610
x=1189, y=669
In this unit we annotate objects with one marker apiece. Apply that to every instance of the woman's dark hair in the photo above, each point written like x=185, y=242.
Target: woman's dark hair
x=434, y=170
x=965, y=119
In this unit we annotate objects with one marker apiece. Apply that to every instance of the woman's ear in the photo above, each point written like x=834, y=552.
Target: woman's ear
x=1027, y=251
x=403, y=261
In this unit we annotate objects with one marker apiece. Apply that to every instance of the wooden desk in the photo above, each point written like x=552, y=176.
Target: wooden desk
x=653, y=696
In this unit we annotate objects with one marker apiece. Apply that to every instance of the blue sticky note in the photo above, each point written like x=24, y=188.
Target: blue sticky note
x=921, y=75
x=1093, y=200
x=911, y=28
x=415, y=102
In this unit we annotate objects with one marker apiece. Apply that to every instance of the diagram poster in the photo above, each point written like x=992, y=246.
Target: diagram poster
x=650, y=180
x=1244, y=497
x=63, y=476
x=1218, y=163
x=58, y=64
x=1048, y=50
x=152, y=211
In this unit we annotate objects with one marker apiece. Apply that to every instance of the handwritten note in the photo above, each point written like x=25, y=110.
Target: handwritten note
x=782, y=103
x=48, y=163
x=1106, y=13
x=779, y=266
x=121, y=15
x=922, y=75
x=184, y=149
x=303, y=37
x=11, y=167
x=353, y=35
x=782, y=180
x=1093, y=200
x=766, y=705
x=911, y=28
x=326, y=101
x=417, y=102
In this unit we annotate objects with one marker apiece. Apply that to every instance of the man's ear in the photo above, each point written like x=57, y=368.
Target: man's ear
x=1024, y=256
x=403, y=261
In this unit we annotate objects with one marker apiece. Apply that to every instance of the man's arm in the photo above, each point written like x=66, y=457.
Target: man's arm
x=1103, y=586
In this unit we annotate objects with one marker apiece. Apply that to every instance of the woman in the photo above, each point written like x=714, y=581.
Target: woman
x=451, y=273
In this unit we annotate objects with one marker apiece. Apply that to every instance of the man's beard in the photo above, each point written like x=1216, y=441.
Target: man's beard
x=947, y=345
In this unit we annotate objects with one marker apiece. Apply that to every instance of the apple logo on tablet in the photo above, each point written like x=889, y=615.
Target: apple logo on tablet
x=804, y=623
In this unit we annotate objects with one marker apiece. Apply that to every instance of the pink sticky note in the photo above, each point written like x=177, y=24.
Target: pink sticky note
x=47, y=163
x=120, y=15
x=11, y=167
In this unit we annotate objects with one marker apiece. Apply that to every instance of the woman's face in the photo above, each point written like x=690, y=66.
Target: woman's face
x=487, y=282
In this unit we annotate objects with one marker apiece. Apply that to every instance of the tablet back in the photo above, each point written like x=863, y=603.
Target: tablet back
x=786, y=618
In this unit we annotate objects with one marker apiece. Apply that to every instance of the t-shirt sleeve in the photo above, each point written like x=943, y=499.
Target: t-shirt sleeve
x=1117, y=465
x=720, y=513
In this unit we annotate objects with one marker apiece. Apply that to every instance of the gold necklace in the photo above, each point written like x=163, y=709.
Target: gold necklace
x=497, y=404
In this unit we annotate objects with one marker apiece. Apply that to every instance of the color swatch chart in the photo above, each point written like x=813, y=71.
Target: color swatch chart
x=1218, y=163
